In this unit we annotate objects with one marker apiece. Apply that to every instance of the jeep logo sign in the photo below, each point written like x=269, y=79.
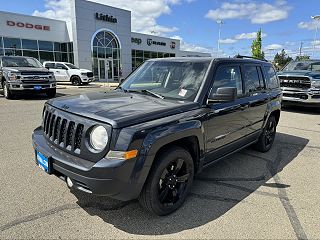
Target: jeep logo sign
x=136, y=40
x=28, y=25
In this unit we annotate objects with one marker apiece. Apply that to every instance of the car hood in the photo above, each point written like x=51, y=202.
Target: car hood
x=299, y=73
x=121, y=109
x=26, y=69
x=84, y=70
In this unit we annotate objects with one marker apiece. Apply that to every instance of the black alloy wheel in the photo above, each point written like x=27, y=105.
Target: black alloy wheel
x=169, y=182
x=267, y=136
x=173, y=182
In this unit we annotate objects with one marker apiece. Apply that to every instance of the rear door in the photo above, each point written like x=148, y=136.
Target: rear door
x=256, y=95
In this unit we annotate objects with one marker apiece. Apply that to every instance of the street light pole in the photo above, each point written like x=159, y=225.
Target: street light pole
x=220, y=22
x=317, y=19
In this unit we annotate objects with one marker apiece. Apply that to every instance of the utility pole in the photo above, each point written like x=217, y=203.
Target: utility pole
x=219, y=22
x=300, y=49
x=317, y=19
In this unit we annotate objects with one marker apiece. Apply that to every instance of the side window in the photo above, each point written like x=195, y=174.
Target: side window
x=60, y=66
x=251, y=79
x=271, y=77
x=49, y=65
x=228, y=76
x=315, y=67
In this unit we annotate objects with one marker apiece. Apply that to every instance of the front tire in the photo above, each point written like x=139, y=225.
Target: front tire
x=267, y=136
x=6, y=91
x=51, y=93
x=169, y=182
x=75, y=80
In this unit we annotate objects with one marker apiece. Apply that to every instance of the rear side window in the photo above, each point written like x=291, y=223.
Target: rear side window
x=228, y=76
x=271, y=77
x=251, y=79
x=49, y=65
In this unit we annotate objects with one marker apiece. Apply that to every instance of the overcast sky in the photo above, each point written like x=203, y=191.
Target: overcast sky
x=285, y=24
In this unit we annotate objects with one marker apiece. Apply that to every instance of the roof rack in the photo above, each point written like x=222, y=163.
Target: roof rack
x=242, y=56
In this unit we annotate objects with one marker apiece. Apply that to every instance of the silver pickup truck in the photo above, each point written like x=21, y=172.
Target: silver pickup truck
x=25, y=74
x=300, y=83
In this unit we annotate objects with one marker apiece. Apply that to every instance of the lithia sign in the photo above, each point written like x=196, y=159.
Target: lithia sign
x=106, y=18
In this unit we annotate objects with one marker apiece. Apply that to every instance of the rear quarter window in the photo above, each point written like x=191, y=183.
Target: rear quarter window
x=49, y=65
x=271, y=77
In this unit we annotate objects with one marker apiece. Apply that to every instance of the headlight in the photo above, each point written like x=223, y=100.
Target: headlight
x=12, y=76
x=84, y=73
x=315, y=84
x=99, y=138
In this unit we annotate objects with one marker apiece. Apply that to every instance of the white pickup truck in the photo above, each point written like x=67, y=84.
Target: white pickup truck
x=67, y=72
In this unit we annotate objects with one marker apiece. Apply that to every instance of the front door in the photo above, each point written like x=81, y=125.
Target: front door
x=109, y=67
x=225, y=122
x=102, y=69
x=105, y=70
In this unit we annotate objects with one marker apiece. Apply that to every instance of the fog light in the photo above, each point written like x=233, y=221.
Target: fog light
x=69, y=182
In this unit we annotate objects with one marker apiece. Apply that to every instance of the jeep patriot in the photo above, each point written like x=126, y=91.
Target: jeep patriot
x=167, y=121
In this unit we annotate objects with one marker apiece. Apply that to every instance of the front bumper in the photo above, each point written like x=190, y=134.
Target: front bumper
x=86, y=79
x=301, y=97
x=20, y=86
x=106, y=177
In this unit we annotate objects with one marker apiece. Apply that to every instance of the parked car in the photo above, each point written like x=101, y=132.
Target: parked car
x=67, y=72
x=166, y=122
x=25, y=74
x=300, y=83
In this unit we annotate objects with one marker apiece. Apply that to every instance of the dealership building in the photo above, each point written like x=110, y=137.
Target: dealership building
x=98, y=37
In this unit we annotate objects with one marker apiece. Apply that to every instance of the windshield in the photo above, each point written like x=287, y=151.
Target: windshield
x=302, y=65
x=20, y=62
x=169, y=79
x=71, y=66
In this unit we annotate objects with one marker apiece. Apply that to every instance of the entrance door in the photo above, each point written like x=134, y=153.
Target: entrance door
x=102, y=69
x=105, y=67
x=109, y=67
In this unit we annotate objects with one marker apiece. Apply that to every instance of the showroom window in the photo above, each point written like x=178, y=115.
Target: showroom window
x=139, y=57
x=41, y=50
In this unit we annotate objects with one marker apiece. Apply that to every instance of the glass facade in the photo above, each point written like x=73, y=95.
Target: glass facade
x=41, y=50
x=106, y=57
x=140, y=56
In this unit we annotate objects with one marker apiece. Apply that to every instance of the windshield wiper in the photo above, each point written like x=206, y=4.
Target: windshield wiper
x=152, y=93
x=144, y=91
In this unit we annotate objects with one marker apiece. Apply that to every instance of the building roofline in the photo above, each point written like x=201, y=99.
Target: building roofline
x=25, y=15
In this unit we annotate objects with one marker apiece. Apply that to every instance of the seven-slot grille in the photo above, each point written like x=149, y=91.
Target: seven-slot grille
x=295, y=82
x=63, y=132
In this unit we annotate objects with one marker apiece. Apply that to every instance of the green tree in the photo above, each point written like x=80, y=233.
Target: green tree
x=281, y=59
x=256, y=46
x=301, y=58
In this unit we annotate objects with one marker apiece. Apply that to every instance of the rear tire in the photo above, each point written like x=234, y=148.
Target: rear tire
x=6, y=91
x=51, y=93
x=267, y=136
x=169, y=182
x=75, y=80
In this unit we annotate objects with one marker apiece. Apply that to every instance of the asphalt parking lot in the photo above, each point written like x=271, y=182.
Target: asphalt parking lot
x=274, y=195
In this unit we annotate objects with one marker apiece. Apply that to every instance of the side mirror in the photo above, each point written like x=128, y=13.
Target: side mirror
x=224, y=94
